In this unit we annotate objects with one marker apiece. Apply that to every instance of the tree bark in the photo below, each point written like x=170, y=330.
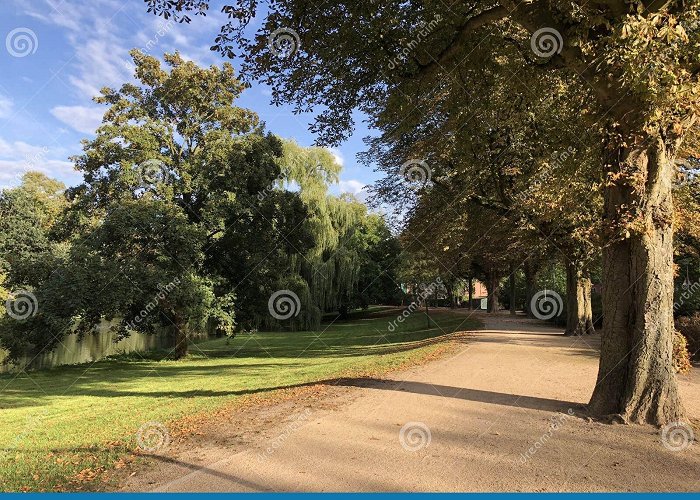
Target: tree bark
x=492, y=289
x=427, y=312
x=579, y=312
x=180, y=334
x=471, y=293
x=511, y=283
x=530, y=286
x=636, y=380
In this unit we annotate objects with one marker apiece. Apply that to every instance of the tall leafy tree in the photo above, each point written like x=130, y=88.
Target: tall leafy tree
x=171, y=177
x=28, y=215
x=640, y=60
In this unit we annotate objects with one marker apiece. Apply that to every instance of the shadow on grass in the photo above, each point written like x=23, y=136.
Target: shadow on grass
x=102, y=379
x=320, y=347
x=443, y=391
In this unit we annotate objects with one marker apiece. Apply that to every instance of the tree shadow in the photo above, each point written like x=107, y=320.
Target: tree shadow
x=477, y=395
x=194, y=469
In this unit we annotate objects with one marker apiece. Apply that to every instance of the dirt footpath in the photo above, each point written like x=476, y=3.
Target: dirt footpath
x=499, y=415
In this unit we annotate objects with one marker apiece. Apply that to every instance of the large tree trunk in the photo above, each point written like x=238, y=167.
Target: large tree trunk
x=180, y=335
x=492, y=289
x=471, y=292
x=530, y=286
x=511, y=291
x=579, y=312
x=636, y=379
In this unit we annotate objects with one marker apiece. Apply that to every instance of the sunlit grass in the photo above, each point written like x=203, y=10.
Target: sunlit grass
x=61, y=427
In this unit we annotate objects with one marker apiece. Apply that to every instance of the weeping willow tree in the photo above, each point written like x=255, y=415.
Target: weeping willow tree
x=326, y=276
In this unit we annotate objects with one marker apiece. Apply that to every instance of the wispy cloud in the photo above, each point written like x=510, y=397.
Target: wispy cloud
x=81, y=118
x=338, y=155
x=18, y=157
x=6, y=106
x=351, y=186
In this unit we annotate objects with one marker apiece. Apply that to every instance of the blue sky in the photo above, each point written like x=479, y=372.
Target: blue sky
x=56, y=56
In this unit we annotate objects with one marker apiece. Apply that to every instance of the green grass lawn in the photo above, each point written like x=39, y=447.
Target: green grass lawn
x=61, y=427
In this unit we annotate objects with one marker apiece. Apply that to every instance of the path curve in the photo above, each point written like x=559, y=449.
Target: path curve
x=493, y=417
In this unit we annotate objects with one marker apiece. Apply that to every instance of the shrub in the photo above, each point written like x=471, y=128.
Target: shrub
x=689, y=326
x=681, y=356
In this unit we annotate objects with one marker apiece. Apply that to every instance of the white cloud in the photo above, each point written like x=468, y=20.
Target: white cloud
x=101, y=63
x=81, y=118
x=6, y=106
x=19, y=149
x=339, y=159
x=93, y=30
x=11, y=172
x=351, y=186
x=18, y=157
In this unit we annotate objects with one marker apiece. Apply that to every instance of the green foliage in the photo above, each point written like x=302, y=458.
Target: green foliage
x=689, y=326
x=27, y=215
x=189, y=218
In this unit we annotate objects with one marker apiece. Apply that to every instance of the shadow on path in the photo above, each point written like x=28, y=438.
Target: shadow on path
x=206, y=470
x=445, y=391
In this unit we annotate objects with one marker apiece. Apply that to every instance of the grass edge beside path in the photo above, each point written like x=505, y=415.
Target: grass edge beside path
x=67, y=441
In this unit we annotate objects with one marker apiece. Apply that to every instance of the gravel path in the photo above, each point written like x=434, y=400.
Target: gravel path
x=502, y=414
